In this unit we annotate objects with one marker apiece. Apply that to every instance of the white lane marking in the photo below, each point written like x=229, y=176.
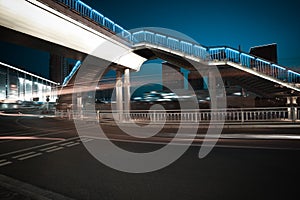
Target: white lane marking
x=35, y=147
x=24, y=154
x=48, y=148
x=83, y=139
x=3, y=160
x=30, y=156
x=88, y=140
x=5, y=163
x=64, y=144
x=70, y=145
x=56, y=149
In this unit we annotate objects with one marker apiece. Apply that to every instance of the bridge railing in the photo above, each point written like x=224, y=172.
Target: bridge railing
x=293, y=77
x=208, y=54
x=246, y=115
x=146, y=36
x=257, y=64
x=217, y=54
x=86, y=11
x=206, y=115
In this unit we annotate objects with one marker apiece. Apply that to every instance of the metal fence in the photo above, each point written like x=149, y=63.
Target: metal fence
x=278, y=114
x=229, y=115
x=86, y=11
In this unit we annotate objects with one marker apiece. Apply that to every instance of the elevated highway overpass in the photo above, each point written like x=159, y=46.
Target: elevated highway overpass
x=72, y=27
x=38, y=25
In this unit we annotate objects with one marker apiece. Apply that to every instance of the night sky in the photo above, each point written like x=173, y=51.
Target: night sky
x=211, y=23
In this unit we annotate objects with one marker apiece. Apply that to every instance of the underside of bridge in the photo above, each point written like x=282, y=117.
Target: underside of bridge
x=18, y=38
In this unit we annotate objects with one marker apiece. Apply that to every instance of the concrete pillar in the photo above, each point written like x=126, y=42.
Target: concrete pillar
x=32, y=83
x=292, y=108
x=127, y=90
x=7, y=84
x=79, y=106
x=212, y=88
x=119, y=94
x=24, y=85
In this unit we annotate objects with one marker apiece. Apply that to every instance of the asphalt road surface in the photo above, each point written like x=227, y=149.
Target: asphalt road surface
x=47, y=153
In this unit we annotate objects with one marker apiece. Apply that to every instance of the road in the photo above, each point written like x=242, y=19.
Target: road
x=48, y=153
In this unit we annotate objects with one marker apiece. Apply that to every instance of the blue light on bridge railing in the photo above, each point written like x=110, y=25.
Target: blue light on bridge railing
x=161, y=39
x=186, y=47
x=246, y=60
x=200, y=47
x=294, y=73
x=97, y=17
x=149, y=37
x=173, y=43
x=278, y=67
x=293, y=77
x=263, y=61
x=109, y=24
x=127, y=35
x=232, y=50
x=217, y=49
x=83, y=8
x=119, y=30
x=75, y=68
x=217, y=53
x=232, y=55
x=138, y=36
x=247, y=56
x=279, y=72
x=70, y=3
x=200, y=51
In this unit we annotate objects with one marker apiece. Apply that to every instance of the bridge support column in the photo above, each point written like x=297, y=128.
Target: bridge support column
x=212, y=87
x=127, y=92
x=119, y=95
x=79, y=113
x=7, y=84
x=292, y=108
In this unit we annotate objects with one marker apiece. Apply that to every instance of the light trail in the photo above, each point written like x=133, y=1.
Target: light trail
x=30, y=138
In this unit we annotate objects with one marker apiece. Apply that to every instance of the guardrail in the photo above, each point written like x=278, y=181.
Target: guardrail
x=277, y=114
x=188, y=48
x=229, y=115
x=86, y=11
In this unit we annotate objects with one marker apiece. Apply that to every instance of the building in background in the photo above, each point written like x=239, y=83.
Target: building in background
x=19, y=85
x=268, y=52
